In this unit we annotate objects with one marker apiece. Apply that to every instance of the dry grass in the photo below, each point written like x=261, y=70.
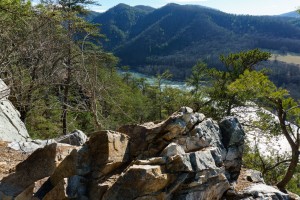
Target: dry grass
x=9, y=158
x=242, y=182
x=289, y=58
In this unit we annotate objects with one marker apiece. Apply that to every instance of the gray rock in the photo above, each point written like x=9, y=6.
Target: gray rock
x=254, y=176
x=217, y=155
x=263, y=191
x=189, y=117
x=187, y=113
x=232, y=132
x=179, y=163
x=76, y=187
x=209, y=184
x=186, y=110
x=233, y=138
x=138, y=181
x=173, y=149
x=202, y=160
x=251, y=186
x=176, y=127
x=233, y=153
x=11, y=126
x=205, y=134
x=4, y=90
x=152, y=161
x=30, y=146
x=76, y=138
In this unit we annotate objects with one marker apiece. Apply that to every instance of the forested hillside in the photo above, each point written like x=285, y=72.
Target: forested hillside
x=187, y=33
x=175, y=37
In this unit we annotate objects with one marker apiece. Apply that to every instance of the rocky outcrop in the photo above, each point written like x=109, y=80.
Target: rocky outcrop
x=251, y=186
x=185, y=157
x=11, y=126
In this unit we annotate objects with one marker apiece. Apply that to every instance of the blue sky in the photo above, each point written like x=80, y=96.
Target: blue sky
x=252, y=7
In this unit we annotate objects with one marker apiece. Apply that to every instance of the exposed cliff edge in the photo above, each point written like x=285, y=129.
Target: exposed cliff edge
x=187, y=156
x=11, y=126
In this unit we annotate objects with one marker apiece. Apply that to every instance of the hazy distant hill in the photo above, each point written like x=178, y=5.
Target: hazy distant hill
x=145, y=8
x=293, y=14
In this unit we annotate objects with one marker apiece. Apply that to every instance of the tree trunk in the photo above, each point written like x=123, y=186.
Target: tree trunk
x=281, y=114
x=290, y=171
x=67, y=83
x=230, y=105
x=66, y=95
x=65, y=100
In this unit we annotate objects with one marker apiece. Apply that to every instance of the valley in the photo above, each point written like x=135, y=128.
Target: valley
x=176, y=37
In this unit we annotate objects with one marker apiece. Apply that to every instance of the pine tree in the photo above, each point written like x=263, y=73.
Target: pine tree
x=255, y=86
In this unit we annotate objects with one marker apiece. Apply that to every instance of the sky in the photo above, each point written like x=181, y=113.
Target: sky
x=247, y=7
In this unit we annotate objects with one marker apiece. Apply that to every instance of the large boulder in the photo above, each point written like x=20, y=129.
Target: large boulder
x=104, y=152
x=11, y=126
x=40, y=164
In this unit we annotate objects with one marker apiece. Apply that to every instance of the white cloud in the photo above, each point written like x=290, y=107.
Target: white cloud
x=99, y=10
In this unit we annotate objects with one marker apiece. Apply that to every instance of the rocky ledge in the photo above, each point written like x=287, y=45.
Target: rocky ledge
x=186, y=157
x=11, y=126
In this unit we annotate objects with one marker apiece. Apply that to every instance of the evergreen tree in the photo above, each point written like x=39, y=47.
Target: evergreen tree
x=255, y=86
x=219, y=102
x=76, y=28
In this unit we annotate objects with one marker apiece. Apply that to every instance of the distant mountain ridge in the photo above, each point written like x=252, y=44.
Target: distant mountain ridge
x=118, y=21
x=177, y=36
x=293, y=14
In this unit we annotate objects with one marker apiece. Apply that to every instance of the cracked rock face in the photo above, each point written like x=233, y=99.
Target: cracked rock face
x=11, y=126
x=180, y=158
